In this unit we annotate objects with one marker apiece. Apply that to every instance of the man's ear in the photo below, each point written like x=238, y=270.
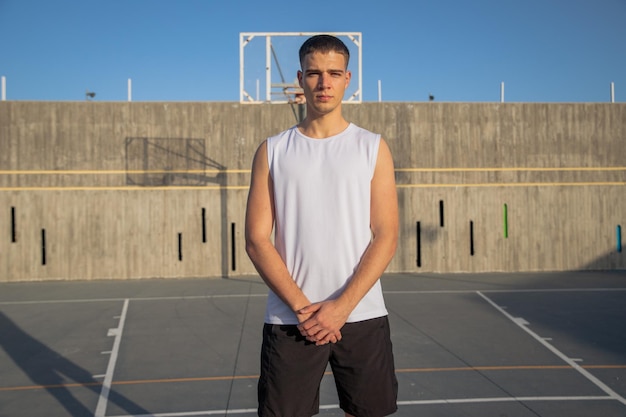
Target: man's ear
x=348, y=78
x=300, y=78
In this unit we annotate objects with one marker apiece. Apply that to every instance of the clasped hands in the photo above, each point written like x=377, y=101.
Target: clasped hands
x=321, y=323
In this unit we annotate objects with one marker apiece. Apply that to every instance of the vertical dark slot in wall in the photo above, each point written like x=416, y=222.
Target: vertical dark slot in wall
x=471, y=224
x=180, y=246
x=441, y=213
x=418, y=235
x=43, y=246
x=203, y=225
x=13, y=226
x=232, y=247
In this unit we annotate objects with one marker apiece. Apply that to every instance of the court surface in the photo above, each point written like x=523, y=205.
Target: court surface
x=483, y=345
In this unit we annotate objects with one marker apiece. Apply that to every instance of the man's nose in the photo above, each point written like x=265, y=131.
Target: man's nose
x=324, y=80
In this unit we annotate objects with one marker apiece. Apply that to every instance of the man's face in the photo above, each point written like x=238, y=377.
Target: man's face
x=324, y=79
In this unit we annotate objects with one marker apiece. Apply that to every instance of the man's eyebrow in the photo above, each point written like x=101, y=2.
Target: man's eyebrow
x=314, y=70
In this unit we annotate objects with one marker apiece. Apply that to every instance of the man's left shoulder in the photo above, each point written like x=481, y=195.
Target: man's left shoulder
x=365, y=133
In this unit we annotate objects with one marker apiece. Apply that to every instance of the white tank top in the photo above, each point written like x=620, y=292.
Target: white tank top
x=322, y=215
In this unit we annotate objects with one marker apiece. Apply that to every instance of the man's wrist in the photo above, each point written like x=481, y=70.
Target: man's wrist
x=345, y=305
x=297, y=307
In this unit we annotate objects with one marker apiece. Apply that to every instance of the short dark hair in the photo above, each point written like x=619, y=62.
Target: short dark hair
x=324, y=44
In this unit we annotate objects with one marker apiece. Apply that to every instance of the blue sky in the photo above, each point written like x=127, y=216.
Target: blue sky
x=188, y=50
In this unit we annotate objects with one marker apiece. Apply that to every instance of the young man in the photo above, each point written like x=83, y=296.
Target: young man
x=328, y=189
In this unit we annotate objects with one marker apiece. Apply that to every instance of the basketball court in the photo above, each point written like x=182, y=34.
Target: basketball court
x=514, y=345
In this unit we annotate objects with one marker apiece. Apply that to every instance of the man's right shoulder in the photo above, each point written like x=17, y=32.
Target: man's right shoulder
x=285, y=133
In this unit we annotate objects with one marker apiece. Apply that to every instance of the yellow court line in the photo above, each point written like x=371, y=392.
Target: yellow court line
x=196, y=379
x=236, y=377
x=492, y=368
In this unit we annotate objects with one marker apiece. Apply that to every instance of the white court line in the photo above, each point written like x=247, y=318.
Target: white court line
x=400, y=403
x=571, y=362
x=503, y=399
x=244, y=295
x=99, y=300
x=514, y=291
x=108, y=377
x=197, y=413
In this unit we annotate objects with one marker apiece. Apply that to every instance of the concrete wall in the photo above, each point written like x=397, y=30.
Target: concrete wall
x=129, y=190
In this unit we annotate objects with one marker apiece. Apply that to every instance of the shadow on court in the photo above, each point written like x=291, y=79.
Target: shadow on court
x=49, y=370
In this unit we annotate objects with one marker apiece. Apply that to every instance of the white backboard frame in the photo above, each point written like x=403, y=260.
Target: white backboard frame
x=288, y=89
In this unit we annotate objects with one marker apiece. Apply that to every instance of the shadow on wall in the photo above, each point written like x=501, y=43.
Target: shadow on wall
x=164, y=162
x=422, y=236
x=612, y=261
x=170, y=161
x=48, y=369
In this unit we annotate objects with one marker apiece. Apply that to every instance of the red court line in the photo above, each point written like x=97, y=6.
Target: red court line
x=230, y=378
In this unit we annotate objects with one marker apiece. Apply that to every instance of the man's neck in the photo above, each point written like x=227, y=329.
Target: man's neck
x=323, y=126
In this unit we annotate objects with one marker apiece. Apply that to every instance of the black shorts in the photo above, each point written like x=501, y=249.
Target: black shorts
x=362, y=362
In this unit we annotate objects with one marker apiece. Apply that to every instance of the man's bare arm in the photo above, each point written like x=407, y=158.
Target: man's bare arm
x=329, y=316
